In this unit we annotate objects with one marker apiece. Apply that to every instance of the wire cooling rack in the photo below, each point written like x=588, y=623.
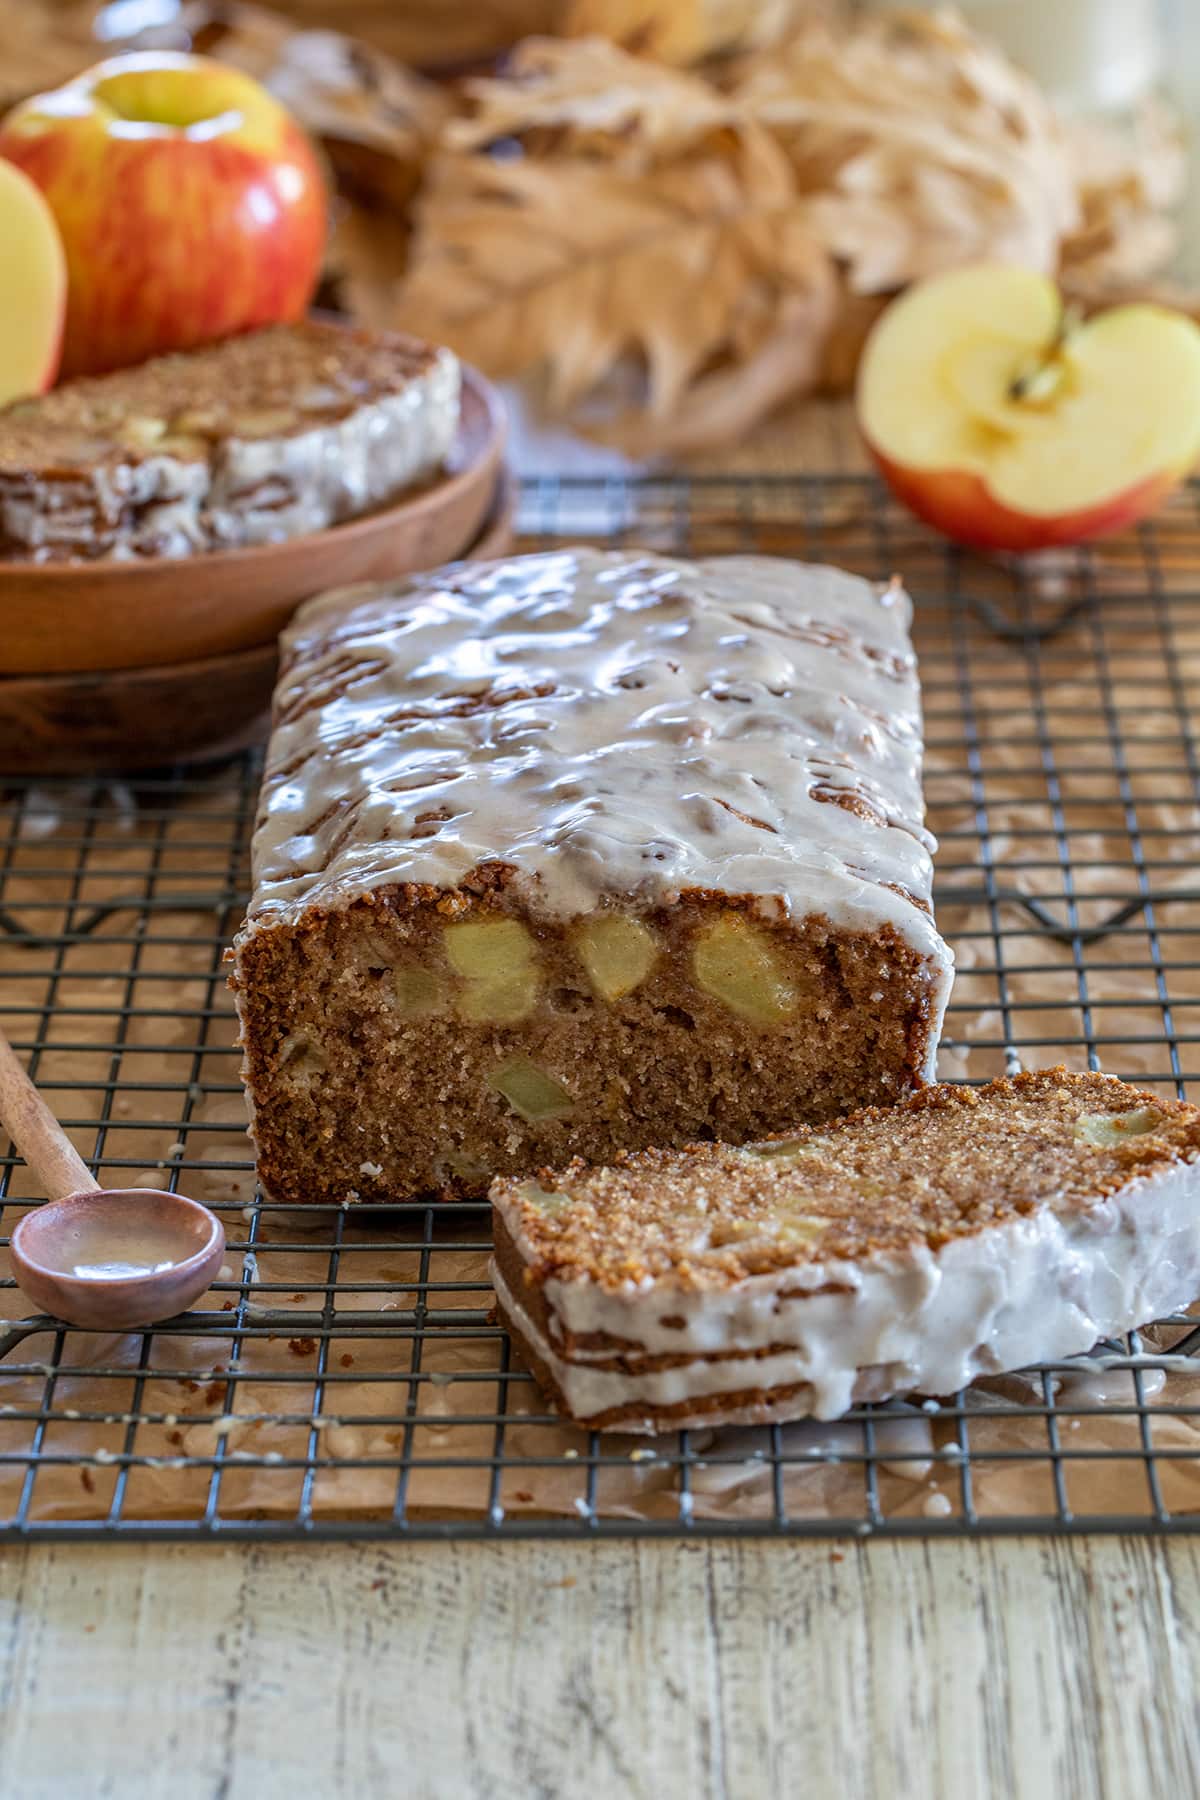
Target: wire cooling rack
x=344, y=1376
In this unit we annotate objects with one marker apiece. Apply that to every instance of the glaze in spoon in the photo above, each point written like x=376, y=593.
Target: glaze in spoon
x=110, y=1259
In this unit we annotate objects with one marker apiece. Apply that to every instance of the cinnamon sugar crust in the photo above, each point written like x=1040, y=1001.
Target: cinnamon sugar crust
x=312, y=371
x=947, y=1163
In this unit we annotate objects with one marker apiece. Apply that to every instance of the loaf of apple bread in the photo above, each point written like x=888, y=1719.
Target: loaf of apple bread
x=259, y=438
x=581, y=852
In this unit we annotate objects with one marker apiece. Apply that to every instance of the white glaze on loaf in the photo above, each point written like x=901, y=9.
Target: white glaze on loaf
x=606, y=725
x=1033, y=1289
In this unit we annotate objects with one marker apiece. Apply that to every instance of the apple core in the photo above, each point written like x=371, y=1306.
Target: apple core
x=1002, y=419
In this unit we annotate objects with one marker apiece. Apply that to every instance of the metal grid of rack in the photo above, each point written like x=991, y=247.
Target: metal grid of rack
x=344, y=1376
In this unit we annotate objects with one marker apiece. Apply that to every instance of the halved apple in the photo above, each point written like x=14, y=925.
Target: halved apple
x=1008, y=424
x=33, y=288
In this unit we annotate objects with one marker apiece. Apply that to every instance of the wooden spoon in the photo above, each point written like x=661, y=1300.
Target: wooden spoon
x=110, y=1259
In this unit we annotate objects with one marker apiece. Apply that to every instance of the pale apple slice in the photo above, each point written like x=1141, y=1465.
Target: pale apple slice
x=1008, y=425
x=33, y=288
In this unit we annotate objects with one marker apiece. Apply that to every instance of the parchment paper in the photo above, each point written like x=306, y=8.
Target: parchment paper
x=1074, y=756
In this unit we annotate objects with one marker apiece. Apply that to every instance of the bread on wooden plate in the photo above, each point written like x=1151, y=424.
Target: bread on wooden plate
x=263, y=437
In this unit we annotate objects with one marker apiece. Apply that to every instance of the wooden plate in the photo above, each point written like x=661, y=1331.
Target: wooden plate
x=76, y=616
x=128, y=719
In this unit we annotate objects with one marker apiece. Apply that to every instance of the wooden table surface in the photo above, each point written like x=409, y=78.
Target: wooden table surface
x=1012, y=1668
x=1022, y=1668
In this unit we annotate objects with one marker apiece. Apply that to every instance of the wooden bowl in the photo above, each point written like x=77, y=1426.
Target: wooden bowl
x=70, y=617
x=128, y=719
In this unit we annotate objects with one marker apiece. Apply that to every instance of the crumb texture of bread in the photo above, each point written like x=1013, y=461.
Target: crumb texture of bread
x=903, y=1249
x=569, y=854
x=950, y=1162
x=259, y=438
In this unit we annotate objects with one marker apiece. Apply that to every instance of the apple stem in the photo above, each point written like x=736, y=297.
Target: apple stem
x=1042, y=380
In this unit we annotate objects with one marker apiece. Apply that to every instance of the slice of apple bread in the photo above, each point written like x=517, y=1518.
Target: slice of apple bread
x=250, y=441
x=962, y=1233
x=580, y=852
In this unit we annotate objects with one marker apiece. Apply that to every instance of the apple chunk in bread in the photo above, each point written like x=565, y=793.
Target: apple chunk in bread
x=1004, y=422
x=33, y=288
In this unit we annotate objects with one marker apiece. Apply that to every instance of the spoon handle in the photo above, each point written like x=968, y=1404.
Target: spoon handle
x=37, y=1133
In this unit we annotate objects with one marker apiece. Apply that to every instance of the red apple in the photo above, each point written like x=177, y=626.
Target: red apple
x=190, y=204
x=1008, y=425
x=33, y=289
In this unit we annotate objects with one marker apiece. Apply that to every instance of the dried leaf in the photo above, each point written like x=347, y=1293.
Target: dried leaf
x=40, y=49
x=686, y=31
x=572, y=269
x=667, y=256
x=917, y=147
x=364, y=264
x=654, y=275
x=588, y=98
x=1128, y=183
